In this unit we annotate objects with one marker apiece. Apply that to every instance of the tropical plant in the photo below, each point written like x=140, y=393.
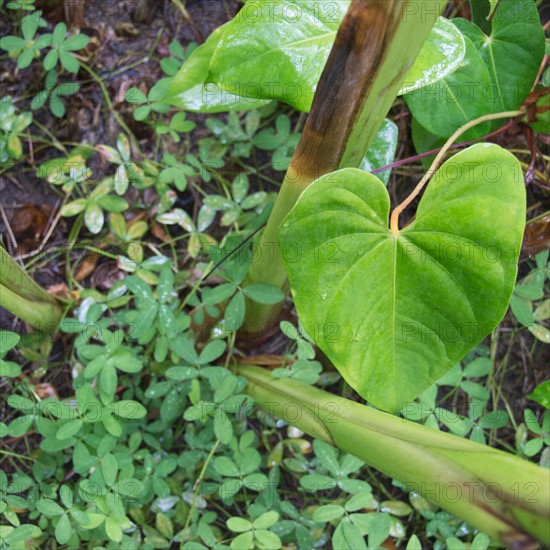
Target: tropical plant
x=399, y=342
x=156, y=437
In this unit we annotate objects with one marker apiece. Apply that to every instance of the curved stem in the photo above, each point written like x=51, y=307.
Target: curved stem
x=394, y=221
x=433, y=152
x=196, y=489
x=55, y=142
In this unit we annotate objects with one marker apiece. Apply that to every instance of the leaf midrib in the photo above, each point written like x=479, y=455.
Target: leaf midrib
x=445, y=270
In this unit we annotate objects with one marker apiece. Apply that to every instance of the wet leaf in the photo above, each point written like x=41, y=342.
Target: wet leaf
x=421, y=330
x=191, y=91
x=281, y=52
x=382, y=150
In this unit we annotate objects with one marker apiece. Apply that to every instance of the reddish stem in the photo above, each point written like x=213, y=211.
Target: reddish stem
x=416, y=158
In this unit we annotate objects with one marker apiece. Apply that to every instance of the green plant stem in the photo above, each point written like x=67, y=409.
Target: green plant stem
x=20, y=457
x=540, y=216
x=183, y=10
x=197, y=487
x=55, y=142
x=503, y=495
x=394, y=220
x=73, y=234
x=194, y=289
x=21, y=295
x=375, y=46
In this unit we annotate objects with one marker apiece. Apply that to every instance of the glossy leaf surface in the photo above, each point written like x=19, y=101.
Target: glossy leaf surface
x=277, y=50
x=440, y=56
x=443, y=107
x=382, y=150
x=394, y=312
x=512, y=52
x=496, y=73
x=190, y=91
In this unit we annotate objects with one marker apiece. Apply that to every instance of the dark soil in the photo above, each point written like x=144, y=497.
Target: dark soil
x=128, y=39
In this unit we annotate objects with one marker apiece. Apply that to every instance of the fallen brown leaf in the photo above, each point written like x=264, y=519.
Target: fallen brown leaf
x=62, y=290
x=87, y=267
x=29, y=221
x=45, y=390
x=537, y=236
x=159, y=233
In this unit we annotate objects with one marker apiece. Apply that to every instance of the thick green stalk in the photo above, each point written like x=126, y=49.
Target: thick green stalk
x=374, y=49
x=26, y=299
x=502, y=495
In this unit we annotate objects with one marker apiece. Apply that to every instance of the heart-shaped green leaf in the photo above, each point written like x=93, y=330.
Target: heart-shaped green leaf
x=512, y=52
x=496, y=74
x=277, y=50
x=395, y=311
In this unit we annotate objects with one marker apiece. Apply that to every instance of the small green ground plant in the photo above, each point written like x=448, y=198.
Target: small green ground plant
x=13, y=124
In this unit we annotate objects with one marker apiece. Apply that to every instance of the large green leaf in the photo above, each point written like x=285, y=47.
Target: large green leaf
x=512, y=52
x=277, y=50
x=462, y=96
x=190, y=92
x=394, y=312
x=496, y=73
